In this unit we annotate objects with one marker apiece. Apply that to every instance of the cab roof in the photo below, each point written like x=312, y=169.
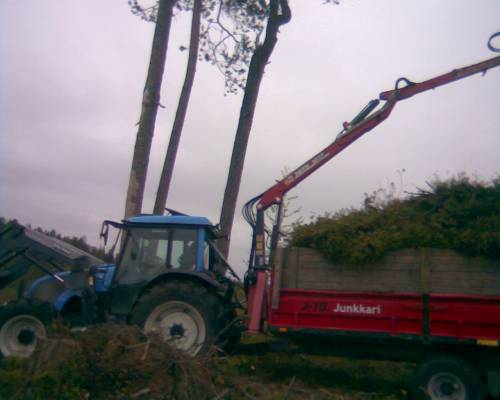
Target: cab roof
x=168, y=220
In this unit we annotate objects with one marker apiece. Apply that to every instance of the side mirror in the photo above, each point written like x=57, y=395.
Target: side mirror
x=104, y=232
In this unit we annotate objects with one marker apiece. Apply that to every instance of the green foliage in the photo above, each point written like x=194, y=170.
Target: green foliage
x=19, y=380
x=230, y=33
x=460, y=214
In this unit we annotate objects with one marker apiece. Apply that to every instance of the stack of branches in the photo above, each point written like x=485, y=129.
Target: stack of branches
x=461, y=213
x=108, y=362
x=118, y=362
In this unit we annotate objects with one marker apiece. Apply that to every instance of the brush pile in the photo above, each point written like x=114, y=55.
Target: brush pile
x=459, y=214
x=107, y=362
x=117, y=362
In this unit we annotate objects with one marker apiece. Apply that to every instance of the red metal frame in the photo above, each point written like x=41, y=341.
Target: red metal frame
x=257, y=301
x=465, y=317
x=395, y=314
x=276, y=192
x=441, y=80
x=274, y=195
x=449, y=316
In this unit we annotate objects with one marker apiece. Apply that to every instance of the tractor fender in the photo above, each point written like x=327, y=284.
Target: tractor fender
x=198, y=277
x=125, y=297
x=64, y=298
x=47, y=289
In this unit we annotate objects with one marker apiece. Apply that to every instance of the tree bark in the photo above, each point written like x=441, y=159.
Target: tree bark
x=150, y=102
x=180, y=115
x=279, y=14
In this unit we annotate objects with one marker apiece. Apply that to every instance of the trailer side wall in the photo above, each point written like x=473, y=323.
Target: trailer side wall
x=425, y=293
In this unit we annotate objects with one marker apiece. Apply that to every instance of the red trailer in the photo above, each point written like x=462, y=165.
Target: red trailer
x=422, y=294
x=433, y=307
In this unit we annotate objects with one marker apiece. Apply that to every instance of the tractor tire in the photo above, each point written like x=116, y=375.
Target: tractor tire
x=447, y=378
x=21, y=325
x=182, y=313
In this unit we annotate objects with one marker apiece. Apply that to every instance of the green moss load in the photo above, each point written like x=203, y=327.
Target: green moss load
x=460, y=214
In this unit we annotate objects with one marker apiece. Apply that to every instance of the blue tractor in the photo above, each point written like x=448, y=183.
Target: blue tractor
x=169, y=279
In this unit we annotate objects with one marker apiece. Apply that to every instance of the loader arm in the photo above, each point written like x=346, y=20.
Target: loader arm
x=257, y=274
x=22, y=247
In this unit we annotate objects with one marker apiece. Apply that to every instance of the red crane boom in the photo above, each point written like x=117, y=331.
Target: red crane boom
x=275, y=193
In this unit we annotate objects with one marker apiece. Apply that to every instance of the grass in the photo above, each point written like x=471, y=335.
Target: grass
x=296, y=376
x=321, y=377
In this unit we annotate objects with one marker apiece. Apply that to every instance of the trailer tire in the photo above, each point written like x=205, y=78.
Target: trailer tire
x=183, y=313
x=446, y=378
x=21, y=325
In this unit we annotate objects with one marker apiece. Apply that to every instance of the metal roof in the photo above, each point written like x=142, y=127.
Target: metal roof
x=168, y=220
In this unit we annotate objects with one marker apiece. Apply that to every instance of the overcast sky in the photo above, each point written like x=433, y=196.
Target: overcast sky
x=72, y=74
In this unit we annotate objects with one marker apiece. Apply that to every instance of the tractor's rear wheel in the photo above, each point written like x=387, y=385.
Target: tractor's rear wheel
x=182, y=313
x=21, y=327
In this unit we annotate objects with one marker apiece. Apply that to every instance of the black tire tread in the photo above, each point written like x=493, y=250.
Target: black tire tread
x=207, y=303
x=42, y=311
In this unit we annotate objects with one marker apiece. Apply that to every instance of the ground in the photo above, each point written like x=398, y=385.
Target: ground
x=118, y=362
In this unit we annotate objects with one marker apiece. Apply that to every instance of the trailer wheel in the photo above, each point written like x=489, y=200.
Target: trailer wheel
x=446, y=379
x=182, y=313
x=21, y=325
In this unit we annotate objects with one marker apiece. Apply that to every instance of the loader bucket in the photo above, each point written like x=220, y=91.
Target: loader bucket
x=22, y=247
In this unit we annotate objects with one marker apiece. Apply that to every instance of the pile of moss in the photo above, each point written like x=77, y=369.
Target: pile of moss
x=460, y=214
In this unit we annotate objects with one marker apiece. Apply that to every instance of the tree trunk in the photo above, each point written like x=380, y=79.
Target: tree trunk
x=180, y=115
x=150, y=102
x=255, y=73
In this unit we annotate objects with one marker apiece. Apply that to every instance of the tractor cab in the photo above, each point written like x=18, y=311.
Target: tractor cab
x=155, y=244
x=155, y=248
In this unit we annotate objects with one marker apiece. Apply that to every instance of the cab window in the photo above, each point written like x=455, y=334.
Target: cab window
x=150, y=252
